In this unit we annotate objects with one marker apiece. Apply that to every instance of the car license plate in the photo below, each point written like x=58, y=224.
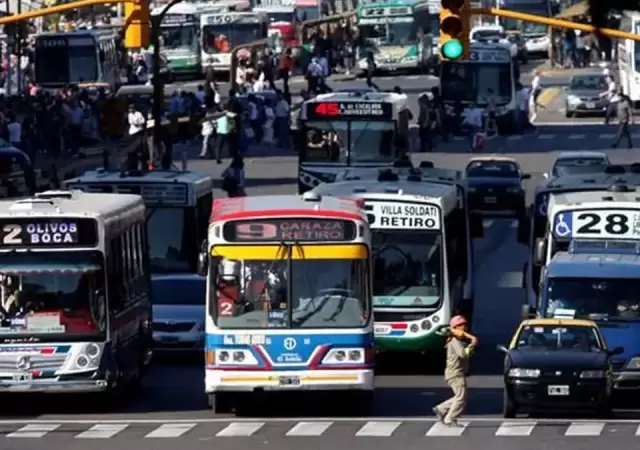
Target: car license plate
x=490, y=200
x=22, y=377
x=558, y=390
x=289, y=381
x=382, y=329
x=590, y=105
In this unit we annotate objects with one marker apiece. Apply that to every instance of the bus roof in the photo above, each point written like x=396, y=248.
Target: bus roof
x=410, y=174
x=178, y=8
x=121, y=182
x=286, y=205
x=96, y=33
x=275, y=9
x=587, y=182
x=360, y=97
x=70, y=203
x=600, y=199
x=390, y=3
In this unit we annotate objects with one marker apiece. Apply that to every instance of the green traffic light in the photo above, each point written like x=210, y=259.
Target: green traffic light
x=452, y=49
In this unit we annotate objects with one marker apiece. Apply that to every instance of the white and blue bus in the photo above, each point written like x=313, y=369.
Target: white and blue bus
x=289, y=299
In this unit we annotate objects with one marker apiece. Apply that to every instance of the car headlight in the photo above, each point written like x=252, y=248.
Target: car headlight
x=344, y=356
x=573, y=99
x=83, y=358
x=235, y=358
x=524, y=373
x=592, y=374
x=633, y=364
x=514, y=190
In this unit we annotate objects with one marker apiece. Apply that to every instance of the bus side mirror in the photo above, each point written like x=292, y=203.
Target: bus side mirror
x=528, y=312
x=540, y=251
x=203, y=258
x=475, y=223
x=524, y=229
x=526, y=176
x=502, y=349
x=616, y=351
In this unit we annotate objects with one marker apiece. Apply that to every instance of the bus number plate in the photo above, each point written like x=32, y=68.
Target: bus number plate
x=22, y=377
x=558, y=390
x=289, y=381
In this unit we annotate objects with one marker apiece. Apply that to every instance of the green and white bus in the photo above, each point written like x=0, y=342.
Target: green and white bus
x=422, y=251
x=180, y=39
x=400, y=33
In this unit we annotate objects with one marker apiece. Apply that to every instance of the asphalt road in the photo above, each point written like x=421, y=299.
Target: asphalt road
x=171, y=409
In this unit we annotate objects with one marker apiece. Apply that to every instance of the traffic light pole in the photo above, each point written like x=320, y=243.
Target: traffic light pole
x=556, y=23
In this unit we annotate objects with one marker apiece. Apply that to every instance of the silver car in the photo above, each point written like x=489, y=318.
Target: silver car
x=179, y=312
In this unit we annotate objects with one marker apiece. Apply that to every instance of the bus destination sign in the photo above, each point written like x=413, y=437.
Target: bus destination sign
x=350, y=110
x=293, y=229
x=48, y=232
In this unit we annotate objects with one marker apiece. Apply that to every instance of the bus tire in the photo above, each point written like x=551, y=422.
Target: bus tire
x=221, y=402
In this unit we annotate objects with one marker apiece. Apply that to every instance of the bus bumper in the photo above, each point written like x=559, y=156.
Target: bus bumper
x=55, y=387
x=313, y=380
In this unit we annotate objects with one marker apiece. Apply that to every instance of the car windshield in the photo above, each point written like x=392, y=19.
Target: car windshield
x=348, y=142
x=407, y=269
x=493, y=169
x=577, y=338
x=591, y=82
x=292, y=293
x=594, y=298
x=52, y=293
x=172, y=291
x=575, y=166
x=481, y=35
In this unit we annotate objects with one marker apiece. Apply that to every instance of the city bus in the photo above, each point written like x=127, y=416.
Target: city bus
x=288, y=299
x=399, y=33
x=629, y=57
x=180, y=40
x=533, y=233
x=283, y=20
x=592, y=271
x=221, y=32
x=75, y=292
x=489, y=71
x=350, y=129
x=89, y=59
x=178, y=208
x=422, y=248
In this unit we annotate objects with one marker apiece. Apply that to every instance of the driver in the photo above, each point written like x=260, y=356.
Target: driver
x=10, y=295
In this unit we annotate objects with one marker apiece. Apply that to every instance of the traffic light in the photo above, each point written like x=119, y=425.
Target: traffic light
x=137, y=24
x=454, y=30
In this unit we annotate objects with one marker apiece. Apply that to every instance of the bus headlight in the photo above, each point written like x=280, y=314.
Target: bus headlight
x=524, y=373
x=83, y=358
x=414, y=328
x=426, y=325
x=235, y=358
x=344, y=355
x=92, y=350
x=82, y=361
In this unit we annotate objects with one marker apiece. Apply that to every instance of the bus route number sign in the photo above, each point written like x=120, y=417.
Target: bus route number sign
x=48, y=232
x=52, y=42
x=377, y=110
x=495, y=56
x=294, y=229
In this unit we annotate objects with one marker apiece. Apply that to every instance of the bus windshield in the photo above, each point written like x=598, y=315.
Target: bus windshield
x=167, y=240
x=178, y=36
x=67, y=64
x=397, y=33
x=52, y=293
x=222, y=38
x=346, y=142
x=593, y=298
x=469, y=82
x=407, y=268
x=292, y=293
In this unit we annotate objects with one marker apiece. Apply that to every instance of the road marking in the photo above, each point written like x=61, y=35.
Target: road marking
x=515, y=429
x=515, y=137
x=441, y=430
x=607, y=136
x=585, y=429
x=170, y=430
x=235, y=429
x=309, y=429
x=546, y=136
x=102, y=431
x=36, y=430
x=379, y=429
x=576, y=136
x=638, y=431
x=548, y=95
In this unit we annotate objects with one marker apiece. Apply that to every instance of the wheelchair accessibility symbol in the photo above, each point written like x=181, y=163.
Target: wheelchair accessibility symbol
x=563, y=225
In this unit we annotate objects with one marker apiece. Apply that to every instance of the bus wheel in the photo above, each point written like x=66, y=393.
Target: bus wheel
x=221, y=402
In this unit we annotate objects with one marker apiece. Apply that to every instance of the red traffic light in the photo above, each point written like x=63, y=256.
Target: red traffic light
x=452, y=26
x=452, y=4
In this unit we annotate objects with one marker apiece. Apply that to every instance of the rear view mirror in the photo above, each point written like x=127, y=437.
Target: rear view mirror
x=203, y=258
x=540, y=251
x=526, y=176
x=616, y=351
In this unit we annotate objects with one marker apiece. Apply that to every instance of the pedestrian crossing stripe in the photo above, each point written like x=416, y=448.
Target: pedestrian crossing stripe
x=318, y=428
